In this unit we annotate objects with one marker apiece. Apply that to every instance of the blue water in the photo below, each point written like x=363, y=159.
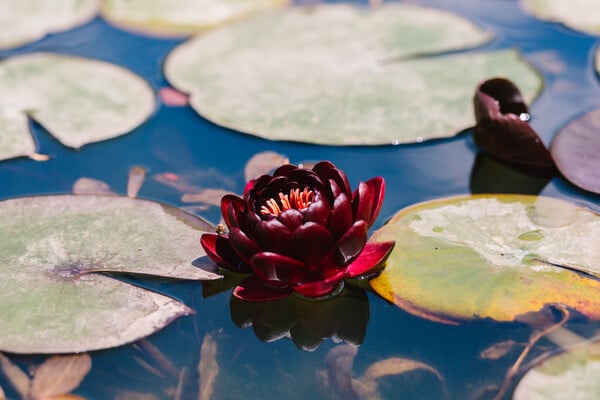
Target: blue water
x=177, y=140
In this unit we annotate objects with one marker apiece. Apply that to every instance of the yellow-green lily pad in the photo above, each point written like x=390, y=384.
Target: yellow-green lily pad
x=24, y=21
x=77, y=100
x=580, y=15
x=55, y=256
x=179, y=17
x=492, y=256
x=569, y=375
x=343, y=75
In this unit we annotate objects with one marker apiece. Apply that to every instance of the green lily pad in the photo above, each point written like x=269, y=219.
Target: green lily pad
x=492, y=256
x=25, y=21
x=340, y=75
x=179, y=17
x=77, y=100
x=569, y=375
x=581, y=15
x=55, y=253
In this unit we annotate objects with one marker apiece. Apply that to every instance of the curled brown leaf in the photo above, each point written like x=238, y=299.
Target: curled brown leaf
x=59, y=375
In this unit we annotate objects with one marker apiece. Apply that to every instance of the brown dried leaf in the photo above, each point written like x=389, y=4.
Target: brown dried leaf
x=396, y=366
x=208, y=368
x=65, y=397
x=91, y=186
x=17, y=378
x=159, y=358
x=2, y=395
x=339, y=362
x=263, y=163
x=129, y=395
x=135, y=181
x=207, y=196
x=498, y=350
x=59, y=375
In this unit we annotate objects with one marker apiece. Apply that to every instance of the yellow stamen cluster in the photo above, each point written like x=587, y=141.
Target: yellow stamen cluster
x=296, y=199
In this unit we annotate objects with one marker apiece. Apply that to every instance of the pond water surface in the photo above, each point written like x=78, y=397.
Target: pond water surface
x=176, y=140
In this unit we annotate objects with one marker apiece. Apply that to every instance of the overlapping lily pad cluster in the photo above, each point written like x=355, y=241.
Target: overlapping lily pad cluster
x=299, y=230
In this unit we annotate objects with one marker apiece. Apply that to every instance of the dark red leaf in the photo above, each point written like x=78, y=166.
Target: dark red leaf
x=502, y=130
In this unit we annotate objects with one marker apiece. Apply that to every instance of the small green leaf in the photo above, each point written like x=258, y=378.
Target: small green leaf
x=77, y=100
x=54, y=251
x=492, y=256
x=580, y=15
x=569, y=375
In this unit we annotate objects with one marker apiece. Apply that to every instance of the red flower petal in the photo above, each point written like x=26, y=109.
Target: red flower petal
x=277, y=269
x=231, y=207
x=326, y=170
x=352, y=243
x=253, y=289
x=320, y=288
x=219, y=250
x=370, y=260
x=367, y=199
x=242, y=244
x=291, y=218
x=310, y=243
x=273, y=236
x=341, y=216
x=318, y=211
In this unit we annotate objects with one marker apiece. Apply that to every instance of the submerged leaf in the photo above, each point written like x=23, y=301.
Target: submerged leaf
x=18, y=379
x=339, y=75
x=25, y=21
x=576, y=150
x=59, y=375
x=137, y=175
x=78, y=100
x=492, y=256
x=53, y=298
x=208, y=368
x=499, y=350
x=178, y=17
x=92, y=186
x=263, y=163
x=502, y=130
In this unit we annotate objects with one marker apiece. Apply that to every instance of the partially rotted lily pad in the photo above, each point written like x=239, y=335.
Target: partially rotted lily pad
x=342, y=75
x=179, y=17
x=580, y=15
x=25, y=21
x=492, y=256
x=54, y=252
x=576, y=150
x=77, y=100
x=569, y=375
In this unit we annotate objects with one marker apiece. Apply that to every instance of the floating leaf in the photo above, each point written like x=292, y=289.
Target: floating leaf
x=59, y=375
x=77, y=100
x=570, y=375
x=502, y=130
x=179, y=17
x=337, y=74
x=580, y=15
x=92, y=186
x=25, y=21
x=54, y=297
x=492, y=256
x=576, y=151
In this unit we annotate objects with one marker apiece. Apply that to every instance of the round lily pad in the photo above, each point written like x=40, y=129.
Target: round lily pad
x=55, y=253
x=492, y=256
x=179, y=17
x=569, y=375
x=77, y=100
x=25, y=21
x=576, y=151
x=343, y=75
x=581, y=15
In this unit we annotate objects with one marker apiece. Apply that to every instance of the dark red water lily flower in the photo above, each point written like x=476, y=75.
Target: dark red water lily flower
x=299, y=230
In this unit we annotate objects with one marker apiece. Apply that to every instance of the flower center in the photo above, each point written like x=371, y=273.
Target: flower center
x=296, y=199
